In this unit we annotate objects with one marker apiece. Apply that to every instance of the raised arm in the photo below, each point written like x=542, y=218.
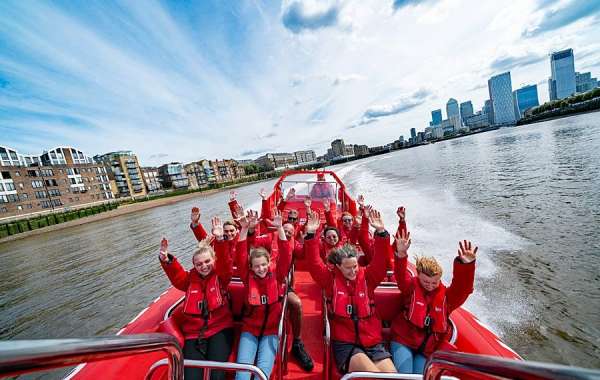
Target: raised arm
x=375, y=271
x=316, y=267
x=241, y=249
x=235, y=207
x=199, y=231
x=329, y=218
x=178, y=277
x=463, y=275
x=284, y=260
x=403, y=277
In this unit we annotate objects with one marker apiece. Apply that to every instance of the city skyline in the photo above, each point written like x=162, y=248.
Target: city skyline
x=181, y=83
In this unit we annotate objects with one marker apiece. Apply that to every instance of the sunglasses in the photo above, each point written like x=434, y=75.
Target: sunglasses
x=292, y=219
x=346, y=219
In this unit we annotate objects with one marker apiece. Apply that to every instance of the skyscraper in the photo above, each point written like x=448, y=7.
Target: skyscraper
x=525, y=98
x=452, y=108
x=501, y=97
x=466, y=109
x=585, y=82
x=562, y=80
x=436, y=117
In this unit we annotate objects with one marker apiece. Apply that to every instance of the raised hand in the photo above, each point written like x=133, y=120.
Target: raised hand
x=357, y=220
x=326, y=205
x=253, y=219
x=402, y=243
x=195, y=215
x=307, y=202
x=263, y=194
x=401, y=212
x=291, y=194
x=466, y=252
x=243, y=221
x=163, y=255
x=217, y=228
x=313, y=222
x=207, y=240
x=277, y=220
x=232, y=195
x=361, y=200
x=375, y=220
x=367, y=211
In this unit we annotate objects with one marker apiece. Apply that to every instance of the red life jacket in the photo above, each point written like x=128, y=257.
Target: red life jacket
x=273, y=291
x=437, y=311
x=346, y=305
x=203, y=295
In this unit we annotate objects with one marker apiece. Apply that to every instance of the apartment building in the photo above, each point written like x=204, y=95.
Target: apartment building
x=126, y=173
x=58, y=179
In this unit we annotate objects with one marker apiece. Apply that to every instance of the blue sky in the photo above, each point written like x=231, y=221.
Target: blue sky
x=185, y=80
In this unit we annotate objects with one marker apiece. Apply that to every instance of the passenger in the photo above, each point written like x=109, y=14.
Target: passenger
x=355, y=328
x=422, y=326
x=207, y=320
x=294, y=303
x=265, y=283
x=365, y=238
x=322, y=189
x=343, y=225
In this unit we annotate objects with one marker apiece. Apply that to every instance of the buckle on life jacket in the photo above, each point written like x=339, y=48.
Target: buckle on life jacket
x=427, y=321
x=263, y=299
x=203, y=307
x=349, y=309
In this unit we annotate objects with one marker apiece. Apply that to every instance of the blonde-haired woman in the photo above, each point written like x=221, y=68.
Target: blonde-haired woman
x=207, y=323
x=422, y=326
x=265, y=289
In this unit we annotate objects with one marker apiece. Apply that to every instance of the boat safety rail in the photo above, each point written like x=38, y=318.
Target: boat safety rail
x=392, y=376
x=208, y=365
x=18, y=357
x=282, y=331
x=473, y=366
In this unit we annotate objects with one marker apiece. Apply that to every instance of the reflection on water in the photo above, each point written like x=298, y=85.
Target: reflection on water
x=527, y=195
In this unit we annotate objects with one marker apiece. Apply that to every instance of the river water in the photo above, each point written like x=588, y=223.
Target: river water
x=528, y=196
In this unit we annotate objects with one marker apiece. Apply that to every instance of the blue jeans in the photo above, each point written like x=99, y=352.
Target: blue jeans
x=405, y=360
x=267, y=348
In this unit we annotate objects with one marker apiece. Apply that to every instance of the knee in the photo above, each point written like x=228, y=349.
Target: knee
x=294, y=302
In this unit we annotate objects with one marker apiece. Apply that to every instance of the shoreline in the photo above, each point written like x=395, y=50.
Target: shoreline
x=556, y=117
x=121, y=210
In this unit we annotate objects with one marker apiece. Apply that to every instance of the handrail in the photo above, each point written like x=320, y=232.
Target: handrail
x=491, y=367
x=207, y=364
x=18, y=357
x=281, y=330
x=384, y=375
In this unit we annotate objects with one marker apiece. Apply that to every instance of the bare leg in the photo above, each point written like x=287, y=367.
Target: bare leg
x=361, y=362
x=386, y=365
x=295, y=314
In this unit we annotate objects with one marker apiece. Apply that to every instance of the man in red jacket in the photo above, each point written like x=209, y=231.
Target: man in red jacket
x=422, y=326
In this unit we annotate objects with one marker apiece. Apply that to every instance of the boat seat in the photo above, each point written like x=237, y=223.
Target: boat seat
x=387, y=303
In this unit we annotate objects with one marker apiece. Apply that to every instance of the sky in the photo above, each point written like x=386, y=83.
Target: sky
x=188, y=80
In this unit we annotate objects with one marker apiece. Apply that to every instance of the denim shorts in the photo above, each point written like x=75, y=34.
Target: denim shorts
x=343, y=351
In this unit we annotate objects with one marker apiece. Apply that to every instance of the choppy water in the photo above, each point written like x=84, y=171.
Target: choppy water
x=528, y=196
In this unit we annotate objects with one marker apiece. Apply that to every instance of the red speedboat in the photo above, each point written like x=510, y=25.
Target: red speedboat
x=470, y=336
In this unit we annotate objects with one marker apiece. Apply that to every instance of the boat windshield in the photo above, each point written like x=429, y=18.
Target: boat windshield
x=308, y=185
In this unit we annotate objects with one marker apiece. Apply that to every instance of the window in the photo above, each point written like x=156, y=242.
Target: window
x=3, y=199
x=47, y=172
x=73, y=181
x=1, y=187
x=51, y=182
x=12, y=197
x=56, y=202
x=33, y=173
x=37, y=184
x=41, y=194
x=54, y=192
x=46, y=204
x=9, y=186
x=3, y=209
x=24, y=196
x=6, y=175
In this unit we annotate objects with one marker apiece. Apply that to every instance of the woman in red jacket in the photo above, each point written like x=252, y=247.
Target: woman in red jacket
x=355, y=328
x=422, y=326
x=207, y=324
x=265, y=284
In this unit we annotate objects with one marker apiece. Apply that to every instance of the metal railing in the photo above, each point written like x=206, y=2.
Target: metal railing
x=394, y=376
x=25, y=356
x=471, y=366
x=210, y=365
